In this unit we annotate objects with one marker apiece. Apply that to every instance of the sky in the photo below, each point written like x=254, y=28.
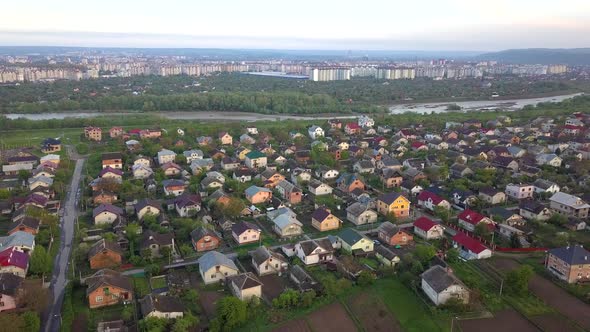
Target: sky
x=469, y=25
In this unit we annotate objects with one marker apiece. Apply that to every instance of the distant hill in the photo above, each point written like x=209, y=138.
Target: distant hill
x=568, y=56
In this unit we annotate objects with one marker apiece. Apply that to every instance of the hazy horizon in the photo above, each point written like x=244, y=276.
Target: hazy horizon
x=426, y=25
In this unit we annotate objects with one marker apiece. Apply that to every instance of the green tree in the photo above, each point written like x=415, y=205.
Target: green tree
x=127, y=313
x=153, y=324
x=231, y=313
x=307, y=298
x=424, y=253
x=31, y=320
x=483, y=230
x=40, y=261
x=365, y=278
x=185, y=323
x=517, y=280
x=453, y=255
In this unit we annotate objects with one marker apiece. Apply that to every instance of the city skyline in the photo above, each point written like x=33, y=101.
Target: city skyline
x=262, y=24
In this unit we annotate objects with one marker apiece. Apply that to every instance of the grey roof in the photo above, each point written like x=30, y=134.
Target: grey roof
x=17, y=239
x=569, y=200
x=573, y=255
x=214, y=258
x=10, y=283
x=542, y=183
x=104, y=245
x=160, y=303
x=356, y=209
x=439, y=279
x=385, y=252
x=108, y=277
x=310, y=245
x=244, y=280
x=389, y=228
x=262, y=254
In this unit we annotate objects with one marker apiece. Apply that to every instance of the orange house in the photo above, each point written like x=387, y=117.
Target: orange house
x=26, y=224
x=107, y=287
x=350, y=182
x=105, y=254
x=204, y=239
x=393, y=235
x=393, y=203
x=257, y=195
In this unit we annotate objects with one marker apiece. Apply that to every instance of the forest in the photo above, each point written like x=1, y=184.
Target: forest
x=268, y=95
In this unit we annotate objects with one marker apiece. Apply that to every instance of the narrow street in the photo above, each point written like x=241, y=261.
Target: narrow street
x=59, y=278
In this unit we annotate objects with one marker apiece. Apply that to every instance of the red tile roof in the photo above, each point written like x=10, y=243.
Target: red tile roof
x=425, y=195
x=471, y=216
x=424, y=223
x=469, y=243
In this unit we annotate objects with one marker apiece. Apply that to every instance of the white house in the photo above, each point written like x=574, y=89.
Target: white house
x=441, y=285
x=315, y=132
x=365, y=121
x=318, y=188
x=166, y=156
x=428, y=229
x=314, y=251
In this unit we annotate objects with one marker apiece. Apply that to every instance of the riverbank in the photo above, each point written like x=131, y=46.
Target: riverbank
x=420, y=108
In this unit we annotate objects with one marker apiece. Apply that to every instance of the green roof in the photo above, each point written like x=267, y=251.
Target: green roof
x=350, y=236
x=255, y=155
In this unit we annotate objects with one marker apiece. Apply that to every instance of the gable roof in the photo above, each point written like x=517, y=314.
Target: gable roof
x=161, y=303
x=104, y=245
x=107, y=208
x=309, y=246
x=320, y=214
x=468, y=242
x=214, y=258
x=470, y=216
x=350, y=236
x=243, y=226
x=262, y=254
x=391, y=197
x=13, y=257
x=108, y=277
x=440, y=279
x=424, y=224
x=425, y=195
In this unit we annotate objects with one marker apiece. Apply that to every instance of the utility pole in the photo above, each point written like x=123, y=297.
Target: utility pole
x=501, y=286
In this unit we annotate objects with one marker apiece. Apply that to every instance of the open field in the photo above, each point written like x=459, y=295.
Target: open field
x=372, y=313
x=554, y=323
x=332, y=317
x=553, y=295
x=505, y=320
x=296, y=325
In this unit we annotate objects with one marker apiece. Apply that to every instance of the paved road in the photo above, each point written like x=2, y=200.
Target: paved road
x=59, y=279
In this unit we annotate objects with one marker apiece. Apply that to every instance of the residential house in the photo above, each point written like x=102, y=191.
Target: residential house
x=364, y=167
x=107, y=287
x=14, y=261
x=386, y=256
x=285, y=222
x=93, y=133
x=314, y=251
x=492, y=196
x=141, y=172
x=441, y=285
x=393, y=203
x=326, y=173
x=315, y=132
x=519, y=191
x=225, y=138
x=155, y=242
x=105, y=254
x=570, y=264
x=115, y=132
x=355, y=242
x=533, y=210
x=191, y=155
x=187, y=205
x=112, y=160
x=352, y=129
x=323, y=220
x=569, y=205
x=107, y=214
x=545, y=186
x=391, y=178
x=255, y=159
x=204, y=239
x=318, y=188
x=470, y=248
x=302, y=279
x=289, y=191
x=266, y=261
x=171, y=169
x=469, y=219
x=245, y=286
x=460, y=170
x=245, y=232
x=215, y=267
x=393, y=235
x=429, y=200
x=10, y=289
x=161, y=306
x=147, y=206
x=428, y=229
x=258, y=195
x=50, y=145
x=26, y=224
x=349, y=182
x=166, y=156
x=359, y=214
x=173, y=187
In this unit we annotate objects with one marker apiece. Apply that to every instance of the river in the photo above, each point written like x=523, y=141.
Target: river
x=513, y=104
x=478, y=105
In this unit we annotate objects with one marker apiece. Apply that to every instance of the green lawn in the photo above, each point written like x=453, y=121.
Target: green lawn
x=158, y=282
x=370, y=262
x=21, y=138
x=141, y=286
x=412, y=314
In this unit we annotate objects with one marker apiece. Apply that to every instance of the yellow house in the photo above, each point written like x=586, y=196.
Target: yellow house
x=323, y=220
x=245, y=286
x=393, y=203
x=225, y=138
x=242, y=153
x=352, y=241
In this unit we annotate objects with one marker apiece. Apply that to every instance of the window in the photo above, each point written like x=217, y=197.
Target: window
x=212, y=276
x=99, y=299
x=114, y=296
